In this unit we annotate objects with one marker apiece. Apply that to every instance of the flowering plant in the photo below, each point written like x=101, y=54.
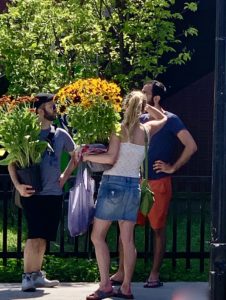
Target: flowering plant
x=19, y=132
x=92, y=106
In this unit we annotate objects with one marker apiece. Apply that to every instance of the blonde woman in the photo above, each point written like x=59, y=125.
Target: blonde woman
x=119, y=193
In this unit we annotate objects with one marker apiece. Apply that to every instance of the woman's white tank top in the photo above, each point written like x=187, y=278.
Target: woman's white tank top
x=129, y=161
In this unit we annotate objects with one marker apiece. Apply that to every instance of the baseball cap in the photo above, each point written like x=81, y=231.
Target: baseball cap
x=43, y=98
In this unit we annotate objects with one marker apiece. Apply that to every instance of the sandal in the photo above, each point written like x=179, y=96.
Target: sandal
x=119, y=294
x=98, y=295
x=153, y=284
x=115, y=282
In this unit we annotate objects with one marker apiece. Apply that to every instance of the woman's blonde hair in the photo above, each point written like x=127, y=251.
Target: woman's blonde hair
x=133, y=104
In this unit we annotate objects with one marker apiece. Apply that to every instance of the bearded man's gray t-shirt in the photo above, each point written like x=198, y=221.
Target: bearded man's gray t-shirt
x=51, y=161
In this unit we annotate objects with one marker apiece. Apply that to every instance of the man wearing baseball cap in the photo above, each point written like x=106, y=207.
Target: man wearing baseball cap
x=43, y=209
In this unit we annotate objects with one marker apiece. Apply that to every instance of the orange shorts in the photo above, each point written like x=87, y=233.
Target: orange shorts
x=162, y=189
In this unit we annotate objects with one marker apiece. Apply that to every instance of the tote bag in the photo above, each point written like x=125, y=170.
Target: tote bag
x=81, y=202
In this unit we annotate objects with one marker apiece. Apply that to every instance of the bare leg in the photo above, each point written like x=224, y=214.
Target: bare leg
x=119, y=275
x=159, y=250
x=33, y=255
x=100, y=229
x=129, y=259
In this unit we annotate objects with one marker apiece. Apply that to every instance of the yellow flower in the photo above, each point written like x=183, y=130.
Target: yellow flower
x=79, y=91
x=92, y=106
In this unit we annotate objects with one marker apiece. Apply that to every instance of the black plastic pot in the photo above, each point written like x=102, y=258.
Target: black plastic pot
x=31, y=176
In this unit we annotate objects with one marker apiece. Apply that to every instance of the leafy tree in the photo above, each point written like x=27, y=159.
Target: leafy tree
x=46, y=44
x=141, y=39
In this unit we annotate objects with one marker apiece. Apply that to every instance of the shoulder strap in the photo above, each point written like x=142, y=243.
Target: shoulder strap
x=63, y=122
x=146, y=141
x=127, y=132
x=50, y=139
x=50, y=136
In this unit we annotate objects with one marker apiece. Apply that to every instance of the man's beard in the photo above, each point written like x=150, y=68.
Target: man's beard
x=48, y=116
x=151, y=101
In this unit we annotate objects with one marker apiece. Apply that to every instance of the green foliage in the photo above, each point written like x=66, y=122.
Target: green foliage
x=191, y=6
x=43, y=44
x=190, y=31
x=19, y=136
x=86, y=270
x=93, y=124
x=46, y=44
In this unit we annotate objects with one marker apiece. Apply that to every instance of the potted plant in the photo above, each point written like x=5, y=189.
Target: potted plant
x=19, y=137
x=92, y=107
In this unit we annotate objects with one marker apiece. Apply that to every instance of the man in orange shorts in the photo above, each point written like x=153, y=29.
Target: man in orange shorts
x=161, y=164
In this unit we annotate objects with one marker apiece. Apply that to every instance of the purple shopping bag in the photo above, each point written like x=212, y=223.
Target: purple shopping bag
x=81, y=202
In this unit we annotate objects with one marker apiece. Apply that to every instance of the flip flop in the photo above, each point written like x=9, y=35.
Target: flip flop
x=119, y=294
x=153, y=284
x=98, y=295
x=115, y=282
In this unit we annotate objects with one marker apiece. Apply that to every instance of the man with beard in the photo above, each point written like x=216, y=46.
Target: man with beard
x=161, y=164
x=43, y=209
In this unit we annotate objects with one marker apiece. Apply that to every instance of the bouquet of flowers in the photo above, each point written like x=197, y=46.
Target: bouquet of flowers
x=92, y=107
x=19, y=132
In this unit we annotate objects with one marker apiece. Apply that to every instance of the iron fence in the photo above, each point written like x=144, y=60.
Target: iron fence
x=188, y=229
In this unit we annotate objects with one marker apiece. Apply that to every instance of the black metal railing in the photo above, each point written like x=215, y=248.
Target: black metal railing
x=187, y=230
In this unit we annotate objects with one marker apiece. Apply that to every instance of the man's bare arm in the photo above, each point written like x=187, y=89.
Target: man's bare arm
x=69, y=169
x=190, y=148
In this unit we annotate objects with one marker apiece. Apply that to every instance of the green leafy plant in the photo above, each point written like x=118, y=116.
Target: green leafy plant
x=19, y=132
x=92, y=106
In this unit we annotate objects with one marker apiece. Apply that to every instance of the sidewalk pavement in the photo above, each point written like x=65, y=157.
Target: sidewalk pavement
x=79, y=291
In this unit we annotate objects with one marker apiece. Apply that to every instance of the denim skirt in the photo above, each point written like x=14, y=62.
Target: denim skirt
x=118, y=198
